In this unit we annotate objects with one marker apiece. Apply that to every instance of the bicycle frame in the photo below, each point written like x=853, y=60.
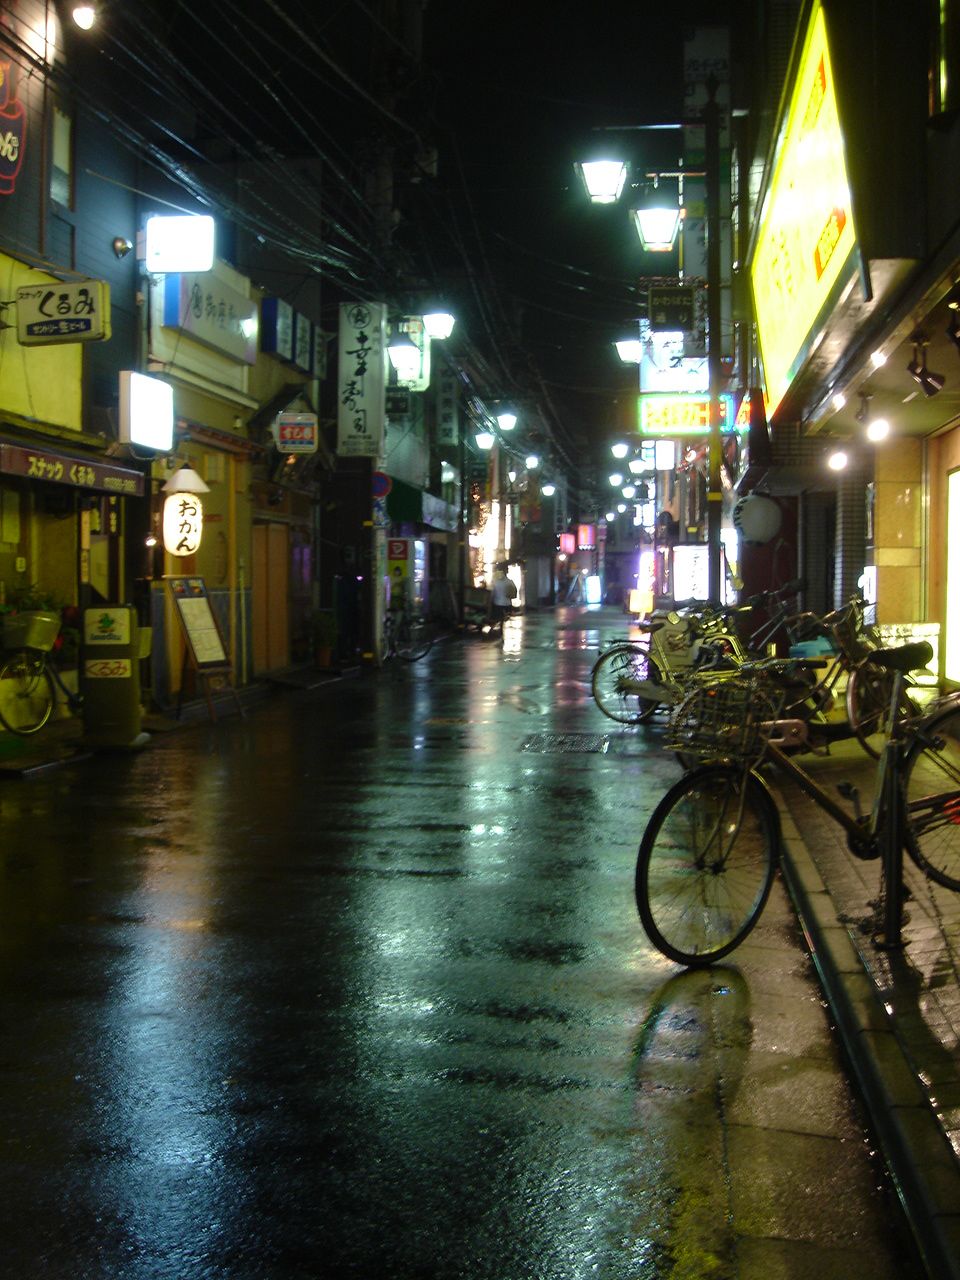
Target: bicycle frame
x=883, y=830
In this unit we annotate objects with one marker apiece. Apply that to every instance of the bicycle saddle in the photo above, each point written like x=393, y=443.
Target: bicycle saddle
x=907, y=657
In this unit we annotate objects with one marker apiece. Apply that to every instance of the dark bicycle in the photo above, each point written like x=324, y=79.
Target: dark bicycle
x=406, y=635
x=709, y=853
x=29, y=678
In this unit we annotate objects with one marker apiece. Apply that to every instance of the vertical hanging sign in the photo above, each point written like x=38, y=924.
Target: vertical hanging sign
x=448, y=407
x=361, y=379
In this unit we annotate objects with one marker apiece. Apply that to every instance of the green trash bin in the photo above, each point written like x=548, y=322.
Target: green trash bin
x=112, y=646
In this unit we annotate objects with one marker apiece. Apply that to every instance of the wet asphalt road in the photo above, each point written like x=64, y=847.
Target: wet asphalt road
x=355, y=987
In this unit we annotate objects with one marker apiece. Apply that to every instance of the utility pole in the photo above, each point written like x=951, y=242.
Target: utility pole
x=711, y=119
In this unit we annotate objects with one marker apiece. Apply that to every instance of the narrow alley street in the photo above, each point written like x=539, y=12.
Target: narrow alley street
x=355, y=986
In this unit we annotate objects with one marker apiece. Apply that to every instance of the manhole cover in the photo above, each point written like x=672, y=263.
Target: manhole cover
x=558, y=743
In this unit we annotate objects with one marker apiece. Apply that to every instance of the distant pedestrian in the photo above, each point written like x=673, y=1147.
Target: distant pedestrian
x=502, y=595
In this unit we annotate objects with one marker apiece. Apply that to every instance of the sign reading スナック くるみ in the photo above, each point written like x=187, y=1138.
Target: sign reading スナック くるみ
x=805, y=242
x=51, y=313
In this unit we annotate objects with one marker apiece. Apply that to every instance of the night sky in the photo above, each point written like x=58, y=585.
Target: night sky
x=521, y=92
x=506, y=95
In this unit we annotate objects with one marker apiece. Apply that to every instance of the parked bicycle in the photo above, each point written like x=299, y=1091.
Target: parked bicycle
x=632, y=678
x=29, y=677
x=709, y=852
x=406, y=635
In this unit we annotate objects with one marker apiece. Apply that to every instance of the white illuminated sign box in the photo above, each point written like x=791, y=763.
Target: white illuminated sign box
x=146, y=412
x=179, y=243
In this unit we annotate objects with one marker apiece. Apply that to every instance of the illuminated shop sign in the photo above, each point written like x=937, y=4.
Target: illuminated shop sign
x=681, y=415
x=805, y=244
x=211, y=312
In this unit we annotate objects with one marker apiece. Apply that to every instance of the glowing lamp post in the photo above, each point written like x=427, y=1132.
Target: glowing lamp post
x=183, y=513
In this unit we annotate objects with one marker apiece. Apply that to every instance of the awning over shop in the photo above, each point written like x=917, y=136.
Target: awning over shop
x=79, y=471
x=439, y=514
x=405, y=503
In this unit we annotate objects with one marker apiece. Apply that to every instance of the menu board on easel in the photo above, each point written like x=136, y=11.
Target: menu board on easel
x=199, y=626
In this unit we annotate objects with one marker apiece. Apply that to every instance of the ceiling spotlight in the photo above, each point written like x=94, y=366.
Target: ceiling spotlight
x=930, y=383
x=953, y=328
x=878, y=430
x=877, y=359
x=839, y=400
x=837, y=460
x=616, y=479
x=619, y=450
x=953, y=298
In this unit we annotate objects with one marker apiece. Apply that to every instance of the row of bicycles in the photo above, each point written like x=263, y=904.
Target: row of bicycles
x=635, y=678
x=710, y=850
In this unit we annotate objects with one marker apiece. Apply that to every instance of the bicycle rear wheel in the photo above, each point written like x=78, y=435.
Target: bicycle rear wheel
x=869, y=690
x=414, y=639
x=27, y=695
x=706, y=864
x=931, y=785
x=610, y=671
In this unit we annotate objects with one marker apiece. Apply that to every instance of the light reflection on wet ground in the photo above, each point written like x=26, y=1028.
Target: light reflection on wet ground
x=356, y=987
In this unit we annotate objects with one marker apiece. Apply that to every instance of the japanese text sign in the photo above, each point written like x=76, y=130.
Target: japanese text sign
x=361, y=379
x=57, y=312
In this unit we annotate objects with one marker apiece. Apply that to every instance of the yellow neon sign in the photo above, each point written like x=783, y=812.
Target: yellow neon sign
x=805, y=243
x=679, y=414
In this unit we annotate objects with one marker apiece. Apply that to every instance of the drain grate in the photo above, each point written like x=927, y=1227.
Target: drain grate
x=565, y=743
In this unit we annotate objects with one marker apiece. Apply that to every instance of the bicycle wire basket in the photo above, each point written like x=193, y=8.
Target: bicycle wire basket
x=30, y=629
x=725, y=719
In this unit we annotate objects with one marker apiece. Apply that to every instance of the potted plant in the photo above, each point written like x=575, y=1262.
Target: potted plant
x=323, y=626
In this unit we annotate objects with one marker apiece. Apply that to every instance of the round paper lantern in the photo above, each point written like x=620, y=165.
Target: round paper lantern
x=757, y=517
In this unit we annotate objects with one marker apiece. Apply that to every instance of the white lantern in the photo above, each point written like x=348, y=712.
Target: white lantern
x=182, y=523
x=183, y=512
x=758, y=518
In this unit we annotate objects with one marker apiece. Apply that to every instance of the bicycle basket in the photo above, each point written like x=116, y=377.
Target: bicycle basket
x=30, y=630
x=726, y=719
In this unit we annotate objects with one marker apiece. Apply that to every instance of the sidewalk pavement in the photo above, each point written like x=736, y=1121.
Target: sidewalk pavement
x=897, y=1012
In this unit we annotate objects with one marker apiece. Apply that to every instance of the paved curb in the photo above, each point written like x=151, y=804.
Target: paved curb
x=917, y=1154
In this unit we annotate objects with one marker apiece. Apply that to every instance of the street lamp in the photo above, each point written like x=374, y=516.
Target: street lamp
x=710, y=121
x=657, y=221
x=603, y=180
x=438, y=324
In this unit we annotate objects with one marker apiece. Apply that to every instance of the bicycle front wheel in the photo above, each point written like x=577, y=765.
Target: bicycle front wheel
x=706, y=864
x=415, y=639
x=869, y=690
x=613, y=669
x=27, y=694
x=931, y=785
